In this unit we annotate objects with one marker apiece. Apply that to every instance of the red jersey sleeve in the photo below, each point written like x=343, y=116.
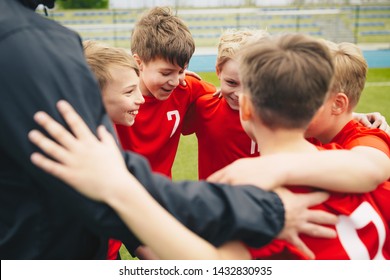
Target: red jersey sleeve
x=277, y=250
x=197, y=88
x=370, y=141
x=355, y=134
x=190, y=121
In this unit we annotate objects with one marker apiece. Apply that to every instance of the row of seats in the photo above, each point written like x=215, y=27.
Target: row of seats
x=81, y=21
x=101, y=13
x=277, y=26
x=370, y=24
x=367, y=8
x=107, y=38
x=199, y=27
x=216, y=35
x=198, y=36
x=372, y=16
x=375, y=32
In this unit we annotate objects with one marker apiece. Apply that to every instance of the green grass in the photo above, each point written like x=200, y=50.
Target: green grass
x=374, y=99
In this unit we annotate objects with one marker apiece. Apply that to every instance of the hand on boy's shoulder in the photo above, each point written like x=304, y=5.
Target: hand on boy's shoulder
x=192, y=74
x=197, y=87
x=189, y=73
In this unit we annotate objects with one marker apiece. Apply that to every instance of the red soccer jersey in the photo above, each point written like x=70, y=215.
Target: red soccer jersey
x=364, y=219
x=355, y=134
x=156, y=131
x=362, y=231
x=221, y=138
x=382, y=193
x=113, y=249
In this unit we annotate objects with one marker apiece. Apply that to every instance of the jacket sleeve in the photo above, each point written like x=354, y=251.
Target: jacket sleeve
x=51, y=67
x=217, y=212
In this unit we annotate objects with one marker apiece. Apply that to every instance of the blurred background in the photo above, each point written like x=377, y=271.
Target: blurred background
x=366, y=23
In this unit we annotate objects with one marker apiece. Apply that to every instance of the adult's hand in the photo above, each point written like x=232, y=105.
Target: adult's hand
x=300, y=219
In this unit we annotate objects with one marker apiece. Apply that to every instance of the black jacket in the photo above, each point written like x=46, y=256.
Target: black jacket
x=42, y=218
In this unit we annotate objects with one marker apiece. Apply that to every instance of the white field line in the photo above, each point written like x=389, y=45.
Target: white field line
x=378, y=84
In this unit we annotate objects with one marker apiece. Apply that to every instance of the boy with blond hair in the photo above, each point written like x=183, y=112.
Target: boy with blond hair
x=162, y=45
x=215, y=120
x=335, y=123
x=118, y=77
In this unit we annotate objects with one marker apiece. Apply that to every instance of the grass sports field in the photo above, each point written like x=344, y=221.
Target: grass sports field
x=375, y=98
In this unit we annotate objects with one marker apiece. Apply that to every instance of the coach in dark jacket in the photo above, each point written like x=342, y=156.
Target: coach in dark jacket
x=40, y=217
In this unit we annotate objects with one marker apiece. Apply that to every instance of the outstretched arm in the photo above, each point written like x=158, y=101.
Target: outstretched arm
x=334, y=170
x=96, y=168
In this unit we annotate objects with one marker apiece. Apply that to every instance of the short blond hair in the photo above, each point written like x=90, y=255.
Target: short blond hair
x=231, y=41
x=350, y=71
x=100, y=57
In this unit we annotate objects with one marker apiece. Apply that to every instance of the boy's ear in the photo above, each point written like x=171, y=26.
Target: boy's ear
x=340, y=103
x=138, y=60
x=245, y=107
x=217, y=71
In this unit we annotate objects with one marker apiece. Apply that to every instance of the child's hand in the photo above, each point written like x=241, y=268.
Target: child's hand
x=189, y=73
x=218, y=93
x=372, y=120
x=257, y=171
x=299, y=219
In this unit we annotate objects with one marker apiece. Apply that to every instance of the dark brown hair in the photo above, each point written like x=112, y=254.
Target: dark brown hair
x=287, y=78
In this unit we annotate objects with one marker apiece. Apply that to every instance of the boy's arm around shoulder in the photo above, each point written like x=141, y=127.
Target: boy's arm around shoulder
x=350, y=171
x=197, y=88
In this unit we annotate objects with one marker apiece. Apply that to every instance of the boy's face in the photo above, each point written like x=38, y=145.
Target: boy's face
x=159, y=78
x=122, y=96
x=230, y=83
x=321, y=125
x=246, y=115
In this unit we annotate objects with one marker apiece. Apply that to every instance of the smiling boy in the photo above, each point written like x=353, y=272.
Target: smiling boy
x=162, y=45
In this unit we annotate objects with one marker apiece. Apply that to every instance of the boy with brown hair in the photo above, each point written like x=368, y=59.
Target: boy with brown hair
x=277, y=113
x=162, y=45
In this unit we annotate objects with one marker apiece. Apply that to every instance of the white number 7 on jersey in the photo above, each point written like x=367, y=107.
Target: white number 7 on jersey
x=346, y=230
x=177, y=120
